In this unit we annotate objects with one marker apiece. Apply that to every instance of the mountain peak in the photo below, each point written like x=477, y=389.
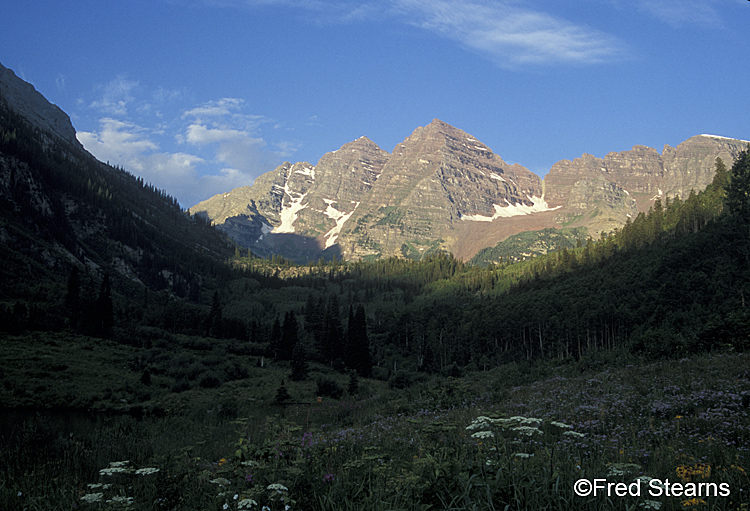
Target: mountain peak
x=34, y=107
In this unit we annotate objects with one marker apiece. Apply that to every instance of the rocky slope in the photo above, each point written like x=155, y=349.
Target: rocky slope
x=442, y=189
x=601, y=193
x=34, y=108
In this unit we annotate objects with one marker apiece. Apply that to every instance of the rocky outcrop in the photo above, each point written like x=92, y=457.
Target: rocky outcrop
x=601, y=193
x=31, y=105
x=442, y=189
x=299, y=200
x=438, y=177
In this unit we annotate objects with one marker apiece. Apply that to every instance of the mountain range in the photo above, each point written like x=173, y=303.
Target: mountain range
x=442, y=189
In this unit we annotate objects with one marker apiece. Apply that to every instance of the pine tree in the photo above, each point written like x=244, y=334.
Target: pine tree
x=73, y=299
x=358, y=344
x=282, y=395
x=299, y=363
x=104, y=317
x=214, y=322
x=289, y=336
x=353, y=387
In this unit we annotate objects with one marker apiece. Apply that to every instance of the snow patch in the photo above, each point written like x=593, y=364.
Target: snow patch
x=340, y=217
x=495, y=175
x=307, y=171
x=289, y=213
x=539, y=205
x=725, y=138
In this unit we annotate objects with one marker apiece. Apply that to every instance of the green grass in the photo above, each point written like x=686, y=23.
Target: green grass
x=441, y=443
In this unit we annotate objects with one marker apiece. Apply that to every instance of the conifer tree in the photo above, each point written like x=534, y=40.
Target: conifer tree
x=213, y=322
x=289, y=336
x=282, y=395
x=104, y=317
x=299, y=363
x=73, y=299
x=358, y=344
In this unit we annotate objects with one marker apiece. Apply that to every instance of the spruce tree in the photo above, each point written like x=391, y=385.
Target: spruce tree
x=299, y=363
x=282, y=395
x=73, y=299
x=104, y=317
x=289, y=336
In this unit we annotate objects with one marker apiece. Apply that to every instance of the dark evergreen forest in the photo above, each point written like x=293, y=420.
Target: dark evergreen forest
x=670, y=282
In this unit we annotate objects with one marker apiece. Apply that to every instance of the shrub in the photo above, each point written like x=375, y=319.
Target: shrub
x=328, y=387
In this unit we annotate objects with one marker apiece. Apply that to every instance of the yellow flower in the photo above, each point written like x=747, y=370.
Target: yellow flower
x=693, y=502
x=222, y=461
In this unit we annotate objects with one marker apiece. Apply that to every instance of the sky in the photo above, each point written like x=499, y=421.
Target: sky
x=202, y=96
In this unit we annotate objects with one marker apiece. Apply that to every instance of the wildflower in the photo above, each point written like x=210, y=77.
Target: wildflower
x=221, y=481
x=19, y=494
x=560, y=425
x=522, y=455
x=482, y=434
x=574, y=434
x=526, y=430
x=249, y=478
x=236, y=496
x=328, y=478
x=246, y=504
x=695, y=501
x=278, y=487
x=225, y=506
x=146, y=471
x=121, y=500
x=651, y=504
x=222, y=461
x=92, y=497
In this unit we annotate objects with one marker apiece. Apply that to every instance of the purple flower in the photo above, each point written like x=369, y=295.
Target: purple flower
x=249, y=478
x=328, y=478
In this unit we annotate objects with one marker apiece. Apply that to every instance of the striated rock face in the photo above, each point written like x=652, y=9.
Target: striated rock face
x=442, y=189
x=308, y=204
x=601, y=193
x=437, y=178
x=30, y=104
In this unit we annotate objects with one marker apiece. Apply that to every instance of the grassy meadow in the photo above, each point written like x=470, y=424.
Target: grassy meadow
x=515, y=437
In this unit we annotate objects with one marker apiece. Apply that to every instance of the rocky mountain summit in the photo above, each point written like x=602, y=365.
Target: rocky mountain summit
x=442, y=189
x=23, y=98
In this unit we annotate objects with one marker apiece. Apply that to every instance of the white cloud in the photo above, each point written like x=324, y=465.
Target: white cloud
x=511, y=35
x=680, y=13
x=115, y=96
x=127, y=145
x=236, y=148
x=215, y=135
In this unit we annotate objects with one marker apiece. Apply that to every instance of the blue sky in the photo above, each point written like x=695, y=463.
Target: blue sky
x=202, y=96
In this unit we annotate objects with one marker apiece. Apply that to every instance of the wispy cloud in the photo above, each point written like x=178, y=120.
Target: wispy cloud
x=130, y=146
x=682, y=13
x=511, y=35
x=115, y=96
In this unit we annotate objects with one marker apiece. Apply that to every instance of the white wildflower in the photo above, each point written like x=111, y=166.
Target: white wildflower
x=121, y=500
x=526, y=430
x=221, y=481
x=651, y=504
x=92, y=497
x=560, y=425
x=574, y=434
x=278, y=487
x=522, y=455
x=246, y=504
x=482, y=434
x=146, y=471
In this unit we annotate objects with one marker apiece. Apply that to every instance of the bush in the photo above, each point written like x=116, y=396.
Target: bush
x=328, y=387
x=400, y=380
x=210, y=380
